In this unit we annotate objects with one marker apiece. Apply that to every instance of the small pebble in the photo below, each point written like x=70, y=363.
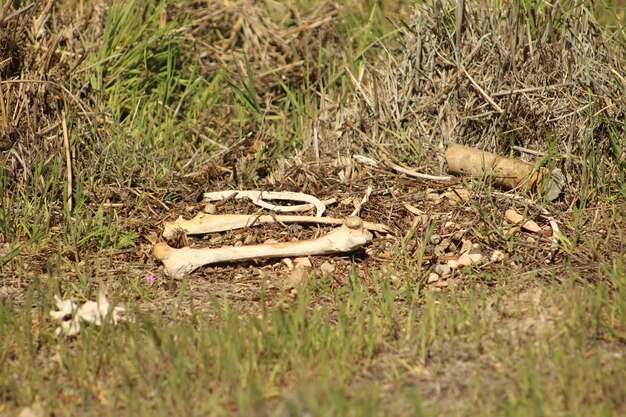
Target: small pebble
x=435, y=239
x=327, y=268
x=443, y=270
x=433, y=277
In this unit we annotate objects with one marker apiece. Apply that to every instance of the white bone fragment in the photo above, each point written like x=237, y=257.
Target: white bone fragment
x=555, y=230
x=258, y=197
x=365, y=160
x=412, y=209
x=211, y=223
x=70, y=316
x=468, y=259
x=364, y=201
x=516, y=218
x=299, y=274
x=65, y=315
x=177, y=262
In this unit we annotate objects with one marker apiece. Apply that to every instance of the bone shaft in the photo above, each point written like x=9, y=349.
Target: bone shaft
x=320, y=246
x=242, y=220
x=507, y=172
x=348, y=237
x=209, y=223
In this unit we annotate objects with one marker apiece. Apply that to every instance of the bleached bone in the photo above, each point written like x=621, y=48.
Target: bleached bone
x=177, y=262
x=258, y=197
x=364, y=201
x=70, y=315
x=211, y=223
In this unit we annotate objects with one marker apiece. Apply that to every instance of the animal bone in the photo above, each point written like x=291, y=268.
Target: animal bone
x=257, y=198
x=177, y=262
x=364, y=201
x=69, y=315
x=211, y=223
x=508, y=173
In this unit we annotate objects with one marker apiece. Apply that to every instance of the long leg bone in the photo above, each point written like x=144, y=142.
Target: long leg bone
x=177, y=262
x=211, y=223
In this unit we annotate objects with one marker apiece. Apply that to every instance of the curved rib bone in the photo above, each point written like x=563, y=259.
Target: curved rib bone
x=211, y=223
x=177, y=262
x=258, y=197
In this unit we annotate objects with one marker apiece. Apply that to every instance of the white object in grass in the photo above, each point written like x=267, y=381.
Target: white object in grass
x=70, y=315
x=178, y=262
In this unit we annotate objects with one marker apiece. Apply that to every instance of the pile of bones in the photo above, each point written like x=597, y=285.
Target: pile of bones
x=352, y=232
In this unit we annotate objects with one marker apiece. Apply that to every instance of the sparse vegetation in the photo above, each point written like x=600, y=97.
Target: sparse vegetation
x=116, y=115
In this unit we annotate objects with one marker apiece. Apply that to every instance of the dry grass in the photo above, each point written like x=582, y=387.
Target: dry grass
x=115, y=117
x=546, y=79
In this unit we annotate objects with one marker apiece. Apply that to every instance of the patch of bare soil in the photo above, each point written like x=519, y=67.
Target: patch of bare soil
x=432, y=224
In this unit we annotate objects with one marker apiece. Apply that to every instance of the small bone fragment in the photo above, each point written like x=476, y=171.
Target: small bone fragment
x=298, y=278
x=513, y=216
x=465, y=259
x=412, y=173
x=413, y=210
x=177, y=262
x=303, y=262
x=507, y=173
x=70, y=316
x=300, y=274
x=469, y=258
x=364, y=201
x=516, y=218
x=365, y=160
x=258, y=197
x=288, y=263
x=555, y=230
x=211, y=223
